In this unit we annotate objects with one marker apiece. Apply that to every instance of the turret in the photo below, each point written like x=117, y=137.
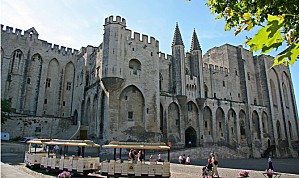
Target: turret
x=178, y=63
x=196, y=63
x=113, y=52
x=196, y=56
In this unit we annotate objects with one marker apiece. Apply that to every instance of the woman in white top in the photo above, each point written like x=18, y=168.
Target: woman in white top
x=188, y=160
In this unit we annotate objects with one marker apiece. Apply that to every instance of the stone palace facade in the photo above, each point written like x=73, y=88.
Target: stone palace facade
x=126, y=89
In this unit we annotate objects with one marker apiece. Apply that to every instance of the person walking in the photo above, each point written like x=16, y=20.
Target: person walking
x=215, y=165
x=270, y=165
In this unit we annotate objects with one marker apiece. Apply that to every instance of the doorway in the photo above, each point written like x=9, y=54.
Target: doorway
x=190, y=137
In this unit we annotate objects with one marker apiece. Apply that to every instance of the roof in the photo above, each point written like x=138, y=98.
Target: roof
x=85, y=143
x=195, y=44
x=177, y=38
x=137, y=145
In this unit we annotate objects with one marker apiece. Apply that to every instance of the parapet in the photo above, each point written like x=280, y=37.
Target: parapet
x=215, y=68
x=137, y=37
x=163, y=57
x=118, y=20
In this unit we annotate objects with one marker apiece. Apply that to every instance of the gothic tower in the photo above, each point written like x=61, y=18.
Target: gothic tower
x=178, y=64
x=113, y=52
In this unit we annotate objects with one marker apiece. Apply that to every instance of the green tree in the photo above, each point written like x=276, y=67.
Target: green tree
x=5, y=110
x=278, y=21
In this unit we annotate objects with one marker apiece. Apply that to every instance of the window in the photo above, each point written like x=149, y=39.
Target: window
x=248, y=75
x=236, y=73
x=214, y=95
x=151, y=53
x=45, y=101
x=239, y=95
x=133, y=49
x=28, y=80
x=130, y=115
x=220, y=125
x=223, y=83
x=68, y=86
x=126, y=97
x=48, y=83
x=254, y=101
x=63, y=103
x=206, y=124
x=147, y=110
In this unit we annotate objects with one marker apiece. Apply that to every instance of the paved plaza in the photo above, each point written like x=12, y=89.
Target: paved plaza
x=13, y=166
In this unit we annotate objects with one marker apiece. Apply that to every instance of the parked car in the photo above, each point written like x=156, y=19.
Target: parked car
x=25, y=139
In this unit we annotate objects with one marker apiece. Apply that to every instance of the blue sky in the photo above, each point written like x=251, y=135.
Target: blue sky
x=76, y=23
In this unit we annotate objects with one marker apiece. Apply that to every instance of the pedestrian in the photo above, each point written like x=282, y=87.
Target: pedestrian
x=160, y=157
x=132, y=155
x=270, y=165
x=56, y=150
x=184, y=159
x=181, y=159
x=188, y=160
x=215, y=165
x=79, y=151
x=152, y=158
x=139, y=156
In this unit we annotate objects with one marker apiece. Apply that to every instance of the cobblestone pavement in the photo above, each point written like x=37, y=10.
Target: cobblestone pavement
x=177, y=171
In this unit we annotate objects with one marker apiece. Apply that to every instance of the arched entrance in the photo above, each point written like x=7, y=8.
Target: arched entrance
x=190, y=137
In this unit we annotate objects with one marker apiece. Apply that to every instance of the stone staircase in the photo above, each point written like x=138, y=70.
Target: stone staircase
x=67, y=133
x=222, y=152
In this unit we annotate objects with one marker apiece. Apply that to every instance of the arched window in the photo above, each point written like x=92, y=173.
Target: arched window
x=206, y=91
x=135, y=65
x=285, y=94
x=274, y=96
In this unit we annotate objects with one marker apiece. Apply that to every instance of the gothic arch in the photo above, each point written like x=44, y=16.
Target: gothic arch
x=192, y=114
x=17, y=62
x=87, y=112
x=232, y=126
x=32, y=84
x=174, y=122
x=256, y=126
x=190, y=137
x=131, y=107
x=274, y=92
x=220, y=124
x=51, y=88
x=242, y=118
x=67, y=92
x=207, y=119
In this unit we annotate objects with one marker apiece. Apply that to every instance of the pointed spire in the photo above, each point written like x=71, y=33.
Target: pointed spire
x=177, y=39
x=195, y=44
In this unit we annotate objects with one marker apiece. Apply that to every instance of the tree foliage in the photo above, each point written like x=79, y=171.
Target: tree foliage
x=5, y=110
x=278, y=21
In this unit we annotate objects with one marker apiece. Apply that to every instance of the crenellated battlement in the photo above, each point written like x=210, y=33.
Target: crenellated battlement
x=32, y=33
x=59, y=49
x=117, y=20
x=163, y=57
x=137, y=37
x=215, y=68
